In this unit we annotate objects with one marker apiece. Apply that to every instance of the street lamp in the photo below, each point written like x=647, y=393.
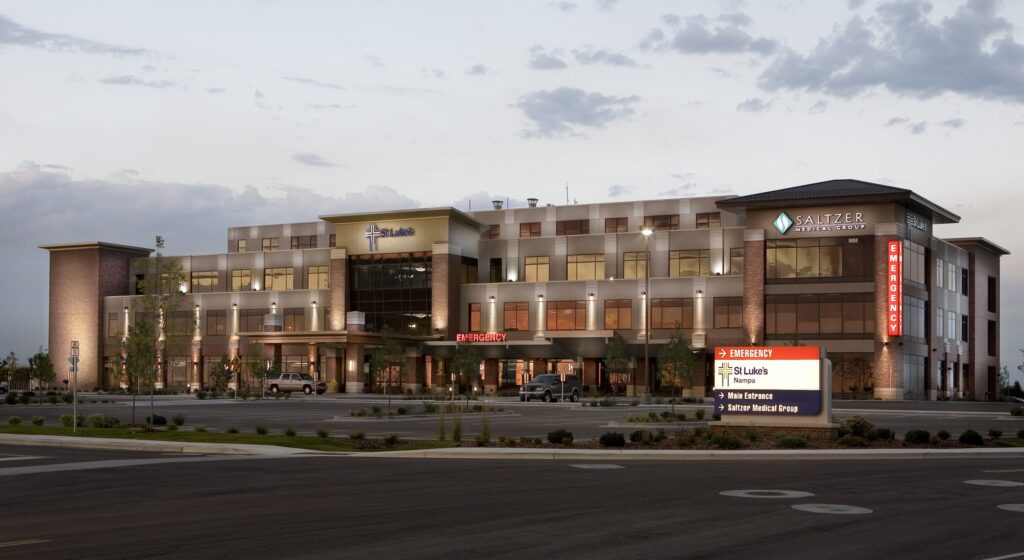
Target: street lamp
x=647, y=232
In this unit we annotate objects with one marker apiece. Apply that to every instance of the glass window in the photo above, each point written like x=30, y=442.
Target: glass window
x=493, y=231
x=584, y=267
x=634, y=265
x=517, y=316
x=830, y=264
x=736, y=260
x=469, y=270
x=294, y=319
x=618, y=314
x=709, y=220
x=496, y=273
x=807, y=314
x=951, y=268
x=303, y=242
x=529, y=229
x=836, y=259
x=993, y=295
x=535, y=269
x=278, y=279
x=332, y=240
x=572, y=227
x=567, y=316
x=178, y=323
x=913, y=263
x=964, y=280
x=940, y=321
x=951, y=324
x=993, y=339
x=807, y=258
x=670, y=313
x=204, y=282
x=728, y=312
x=616, y=225
x=914, y=318
x=317, y=277
x=270, y=243
x=241, y=280
x=474, y=317
x=241, y=245
x=251, y=320
x=662, y=223
x=820, y=315
x=964, y=327
x=690, y=262
x=831, y=314
x=112, y=325
x=216, y=322
x=939, y=272
x=394, y=290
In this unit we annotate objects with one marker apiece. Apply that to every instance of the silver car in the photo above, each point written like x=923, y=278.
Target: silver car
x=549, y=387
x=288, y=381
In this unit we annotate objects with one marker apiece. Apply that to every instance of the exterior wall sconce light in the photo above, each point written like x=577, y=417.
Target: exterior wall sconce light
x=540, y=296
x=591, y=294
x=490, y=298
x=699, y=292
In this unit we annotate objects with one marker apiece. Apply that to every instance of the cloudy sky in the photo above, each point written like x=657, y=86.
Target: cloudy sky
x=123, y=120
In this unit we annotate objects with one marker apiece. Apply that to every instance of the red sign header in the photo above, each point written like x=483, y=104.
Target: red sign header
x=767, y=353
x=894, y=288
x=481, y=337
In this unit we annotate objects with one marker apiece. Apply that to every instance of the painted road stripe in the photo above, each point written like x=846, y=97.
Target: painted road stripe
x=93, y=465
x=9, y=544
x=20, y=458
x=1005, y=470
x=1018, y=555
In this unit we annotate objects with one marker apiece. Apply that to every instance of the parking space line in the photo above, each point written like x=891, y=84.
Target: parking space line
x=9, y=544
x=1017, y=555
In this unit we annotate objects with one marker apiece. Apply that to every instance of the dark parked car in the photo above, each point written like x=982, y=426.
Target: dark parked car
x=549, y=387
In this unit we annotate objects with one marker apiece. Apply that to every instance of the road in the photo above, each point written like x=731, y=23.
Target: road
x=306, y=413
x=97, y=504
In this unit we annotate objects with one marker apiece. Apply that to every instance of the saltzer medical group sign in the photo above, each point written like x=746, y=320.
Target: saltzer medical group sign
x=768, y=380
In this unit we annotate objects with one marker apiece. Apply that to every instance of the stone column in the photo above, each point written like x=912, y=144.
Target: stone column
x=753, y=285
x=355, y=380
x=490, y=376
x=196, y=367
x=414, y=367
x=540, y=366
x=338, y=284
x=312, y=356
x=888, y=365
x=446, y=276
x=589, y=376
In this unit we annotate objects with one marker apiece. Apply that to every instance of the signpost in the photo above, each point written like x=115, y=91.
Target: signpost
x=74, y=386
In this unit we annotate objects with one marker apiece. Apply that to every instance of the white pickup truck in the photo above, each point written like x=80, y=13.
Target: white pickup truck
x=288, y=381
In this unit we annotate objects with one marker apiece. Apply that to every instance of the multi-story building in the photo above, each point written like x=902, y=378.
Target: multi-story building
x=851, y=266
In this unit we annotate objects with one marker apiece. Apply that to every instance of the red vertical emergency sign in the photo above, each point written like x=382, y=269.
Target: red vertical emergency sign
x=894, y=291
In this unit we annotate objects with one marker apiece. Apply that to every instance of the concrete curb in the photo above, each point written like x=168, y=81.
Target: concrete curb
x=703, y=455
x=152, y=446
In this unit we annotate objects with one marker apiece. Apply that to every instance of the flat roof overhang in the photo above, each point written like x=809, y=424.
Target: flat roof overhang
x=328, y=337
x=448, y=212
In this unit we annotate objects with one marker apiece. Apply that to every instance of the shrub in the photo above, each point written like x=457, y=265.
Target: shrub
x=357, y=436
x=321, y=433
x=172, y=428
x=560, y=436
x=375, y=410
x=647, y=439
x=716, y=416
x=885, y=433
x=38, y=420
x=933, y=440
x=14, y=420
x=481, y=440
x=1020, y=434
x=942, y=435
x=792, y=442
x=391, y=440
x=752, y=434
x=857, y=426
x=156, y=420
x=401, y=411
x=685, y=438
x=992, y=432
x=612, y=439
x=25, y=398
x=917, y=437
x=606, y=402
x=699, y=414
x=290, y=432
x=287, y=395
x=67, y=398
x=726, y=441
x=634, y=402
x=681, y=417
x=429, y=407
x=232, y=430
x=261, y=430
x=178, y=420
x=52, y=399
x=636, y=436
x=852, y=441
x=201, y=395
x=11, y=398
x=1016, y=411
x=970, y=437
x=66, y=420
x=101, y=421
x=200, y=428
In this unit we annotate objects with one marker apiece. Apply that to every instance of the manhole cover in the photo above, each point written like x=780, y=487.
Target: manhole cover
x=835, y=509
x=766, y=494
x=995, y=483
x=597, y=466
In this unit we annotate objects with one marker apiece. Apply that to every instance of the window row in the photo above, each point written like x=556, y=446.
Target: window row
x=274, y=243
x=820, y=315
x=681, y=264
x=274, y=279
x=666, y=313
x=835, y=259
x=704, y=220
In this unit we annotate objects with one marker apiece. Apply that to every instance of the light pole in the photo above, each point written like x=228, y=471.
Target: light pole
x=647, y=232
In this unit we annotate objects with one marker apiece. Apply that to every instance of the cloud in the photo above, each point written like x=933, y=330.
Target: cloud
x=129, y=80
x=971, y=53
x=12, y=33
x=685, y=189
x=818, y=107
x=918, y=127
x=754, y=105
x=896, y=121
x=606, y=5
x=373, y=60
x=312, y=160
x=702, y=35
x=854, y=4
x=588, y=55
x=216, y=90
x=563, y=6
x=557, y=112
x=541, y=60
x=329, y=106
x=477, y=70
x=953, y=123
x=432, y=72
x=315, y=83
x=618, y=190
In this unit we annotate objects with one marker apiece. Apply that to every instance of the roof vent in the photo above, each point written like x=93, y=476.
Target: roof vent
x=497, y=204
x=531, y=202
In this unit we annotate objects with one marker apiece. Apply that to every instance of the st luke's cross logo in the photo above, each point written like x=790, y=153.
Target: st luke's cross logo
x=373, y=233
x=723, y=374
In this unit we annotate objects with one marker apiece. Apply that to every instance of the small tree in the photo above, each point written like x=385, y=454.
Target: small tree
x=465, y=362
x=675, y=359
x=41, y=370
x=10, y=365
x=616, y=361
x=387, y=363
x=222, y=373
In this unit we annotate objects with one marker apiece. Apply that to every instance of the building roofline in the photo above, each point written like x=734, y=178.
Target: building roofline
x=95, y=245
x=437, y=212
x=979, y=241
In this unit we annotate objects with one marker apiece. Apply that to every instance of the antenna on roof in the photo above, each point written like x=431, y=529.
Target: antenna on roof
x=567, y=193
